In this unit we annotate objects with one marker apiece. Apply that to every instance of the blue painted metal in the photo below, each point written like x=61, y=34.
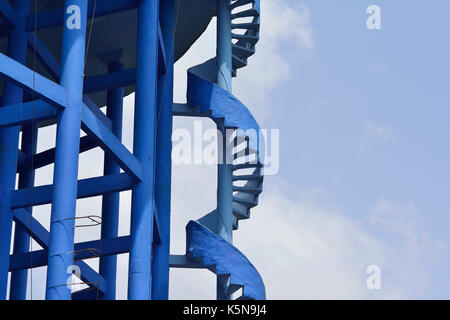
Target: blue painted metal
x=88, y=250
x=224, y=259
x=229, y=113
x=148, y=69
x=54, y=18
x=224, y=64
x=93, y=126
x=110, y=207
x=222, y=105
x=86, y=188
x=9, y=138
x=42, y=237
x=22, y=113
x=142, y=205
x=112, y=80
x=47, y=157
x=44, y=55
x=160, y=264
x=23, y=77
x=224, y=211
x=18, y=287
x=9, y=13
x=61, y=247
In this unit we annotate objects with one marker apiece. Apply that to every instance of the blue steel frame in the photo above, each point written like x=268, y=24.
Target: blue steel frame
x=65, y=102
x=147, y=170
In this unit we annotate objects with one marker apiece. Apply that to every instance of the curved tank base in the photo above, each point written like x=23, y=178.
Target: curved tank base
x=113, y=37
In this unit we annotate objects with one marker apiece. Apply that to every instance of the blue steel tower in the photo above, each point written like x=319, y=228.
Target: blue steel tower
x=60, y=63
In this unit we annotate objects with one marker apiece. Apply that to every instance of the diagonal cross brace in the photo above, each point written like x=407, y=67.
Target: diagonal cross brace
x=8, y=12
x=42, y=237
x=109, y=142
x=29, y=80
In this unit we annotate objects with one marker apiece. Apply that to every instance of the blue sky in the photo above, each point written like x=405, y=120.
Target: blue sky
x=363, y=117
x=364, y=156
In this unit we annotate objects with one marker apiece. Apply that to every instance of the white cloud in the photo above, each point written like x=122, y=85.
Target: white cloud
x=287, y=37
x=308, y=249
x=397, y=219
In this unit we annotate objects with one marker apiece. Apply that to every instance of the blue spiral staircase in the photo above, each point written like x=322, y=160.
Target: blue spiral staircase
x=204, y=245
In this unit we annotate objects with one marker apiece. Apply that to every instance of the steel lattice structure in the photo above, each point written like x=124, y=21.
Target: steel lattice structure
x=60, y=61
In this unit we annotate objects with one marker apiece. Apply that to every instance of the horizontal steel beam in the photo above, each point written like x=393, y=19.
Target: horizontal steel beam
x=87, y=188
x=111, y=80
x=182, y=261
x=23, y=113
x=185, y=110
x=83, y=251
x=47, y=157
x=53, y=18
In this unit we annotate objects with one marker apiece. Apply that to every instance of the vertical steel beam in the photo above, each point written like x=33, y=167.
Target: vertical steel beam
x=142, y=209
x=60, y=254
x=160, y=284
x=18, y=287
x=225, y=179
x=9, y=140
x=110, y=205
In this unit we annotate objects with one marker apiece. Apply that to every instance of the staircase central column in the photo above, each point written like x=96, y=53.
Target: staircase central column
x=225, y=182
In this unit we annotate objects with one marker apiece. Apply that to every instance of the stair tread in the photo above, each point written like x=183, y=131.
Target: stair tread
x=246, y=166
x=245, y=13
x=240, y=3
x=252, y=190
x=240, y=214
x=238, y=62
x=247, y=25
x=246, y=202
x=252, y=177
x=245, y=37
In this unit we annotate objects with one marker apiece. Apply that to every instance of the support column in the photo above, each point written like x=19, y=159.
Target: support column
x=142, y=208
x=18, y=288
x=160, y=284
x=60, y=253
x=224, y=62
x=225, y=179
x=110, y=205
x=9, y=141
